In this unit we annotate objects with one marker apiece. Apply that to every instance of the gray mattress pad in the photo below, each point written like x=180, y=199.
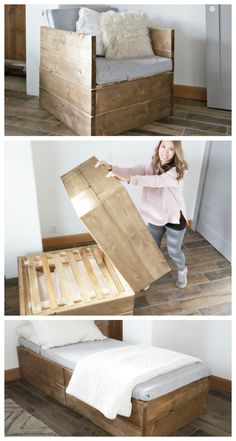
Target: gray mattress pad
x=67, y=356
x=112, y=71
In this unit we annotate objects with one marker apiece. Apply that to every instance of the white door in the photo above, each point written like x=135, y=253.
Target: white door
x=212, y=218
x=218, y=57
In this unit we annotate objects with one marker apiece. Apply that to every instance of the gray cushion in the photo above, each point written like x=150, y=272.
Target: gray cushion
x=66, y=18
x=112, y=71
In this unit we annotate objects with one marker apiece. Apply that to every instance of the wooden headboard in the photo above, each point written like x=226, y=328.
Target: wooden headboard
x=111, y=328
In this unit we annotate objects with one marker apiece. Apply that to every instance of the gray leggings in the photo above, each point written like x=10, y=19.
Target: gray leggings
x=174, y=243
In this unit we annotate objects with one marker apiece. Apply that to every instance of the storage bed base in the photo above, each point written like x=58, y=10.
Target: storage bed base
x=159, y=417
x=98, y=286
x=68, y=87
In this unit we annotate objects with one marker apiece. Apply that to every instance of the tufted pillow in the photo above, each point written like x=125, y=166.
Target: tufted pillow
x=125, y=35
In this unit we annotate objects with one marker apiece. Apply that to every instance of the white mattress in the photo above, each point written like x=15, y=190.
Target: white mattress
x=67, y=356
x=112, y=71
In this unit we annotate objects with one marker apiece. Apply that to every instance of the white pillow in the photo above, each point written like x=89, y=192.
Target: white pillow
x=89, y=23
x=52, y=333
x=28, y=332
x=125, y=35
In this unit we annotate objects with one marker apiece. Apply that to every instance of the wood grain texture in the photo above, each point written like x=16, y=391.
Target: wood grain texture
x=163, y=42
x=12, y=374
x=71, y=116
x=133, y=116
x=75, y=281
x=126, y=239
x=116, y=96
x=15, y=46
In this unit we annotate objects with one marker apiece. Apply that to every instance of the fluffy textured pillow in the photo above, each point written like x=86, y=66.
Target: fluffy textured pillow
x=28, y=332
x=125, y=35
x=89, y=23
x=52, y=333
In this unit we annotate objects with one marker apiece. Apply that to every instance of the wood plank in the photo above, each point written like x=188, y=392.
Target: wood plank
x=51, y=288
x=59, y=242
x=74, y=44
x=131, y=117
x=64, y=288
x=12, y=374
x=91, y=274
x=44, y=374
x=132, y=92
x=22, y=296
x=77, y=95
x=33, y=287
x=190, y=92
x=78, y=276
x=220, y=383
x=105, y=272
x=162, y=42
x=75, y=119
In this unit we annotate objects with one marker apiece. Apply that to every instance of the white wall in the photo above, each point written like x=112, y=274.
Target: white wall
x=11, y=342
x=137, y=331
x=35, y=17
x=190, y=44
x=22, y=228
x=210, y=340
x=52, y=159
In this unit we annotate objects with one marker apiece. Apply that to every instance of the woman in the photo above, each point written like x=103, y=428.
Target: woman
x=162, y=202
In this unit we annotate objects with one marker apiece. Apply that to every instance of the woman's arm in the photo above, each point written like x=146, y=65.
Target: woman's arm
x=168, y=179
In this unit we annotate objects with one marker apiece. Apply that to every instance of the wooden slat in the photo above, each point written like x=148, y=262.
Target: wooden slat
x=33, y=287
x=77, y=95
x=106, y=274
x=132, y=92
x=71, y=43
x=78, y=276
x=63, y=281
x=22, y=296
x=77, y=70
x=134, y=116
x=74, y=118
x=162, y=42
x=91, y=274
x=48, y=277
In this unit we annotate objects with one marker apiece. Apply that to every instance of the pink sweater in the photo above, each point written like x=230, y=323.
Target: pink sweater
x=162, y=196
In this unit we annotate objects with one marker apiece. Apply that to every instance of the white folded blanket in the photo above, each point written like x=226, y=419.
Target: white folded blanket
x=105, y=380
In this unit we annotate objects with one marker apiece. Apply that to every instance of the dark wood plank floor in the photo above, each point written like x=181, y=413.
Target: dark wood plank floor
x=216, y=421
x=208, y=291
x=24, y=117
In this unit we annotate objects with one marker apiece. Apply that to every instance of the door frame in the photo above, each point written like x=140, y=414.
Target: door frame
x=202, y=179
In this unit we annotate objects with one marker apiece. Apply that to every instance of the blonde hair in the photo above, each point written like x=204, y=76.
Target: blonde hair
x=177, y=161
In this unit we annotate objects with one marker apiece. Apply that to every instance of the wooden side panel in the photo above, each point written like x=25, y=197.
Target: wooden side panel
x=44, y=374
x=67, y=77
x=134, y=116
x=70, y=43
x=167, y=414
x=71, y=116
x=72, y=92
x=111, y=328
x=127, y=93
x=163, y=42
x=124, y=237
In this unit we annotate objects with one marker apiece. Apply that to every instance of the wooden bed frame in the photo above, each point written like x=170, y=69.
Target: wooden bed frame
x=69, y=91
x=159, y=417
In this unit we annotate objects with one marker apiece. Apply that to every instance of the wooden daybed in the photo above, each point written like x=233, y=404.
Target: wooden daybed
x=159, y=417
x=69, y=91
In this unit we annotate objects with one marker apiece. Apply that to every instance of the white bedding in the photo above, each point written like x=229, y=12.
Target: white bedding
x=105, y=380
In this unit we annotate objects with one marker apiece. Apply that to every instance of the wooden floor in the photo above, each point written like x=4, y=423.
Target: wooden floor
x=215, y=422
x=208, y=291
x=23, y=116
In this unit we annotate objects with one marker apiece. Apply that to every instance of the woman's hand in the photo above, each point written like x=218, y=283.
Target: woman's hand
x=103, y=163
x=119, y=177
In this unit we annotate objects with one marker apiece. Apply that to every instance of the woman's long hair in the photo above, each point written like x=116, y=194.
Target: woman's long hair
x=177, y=161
